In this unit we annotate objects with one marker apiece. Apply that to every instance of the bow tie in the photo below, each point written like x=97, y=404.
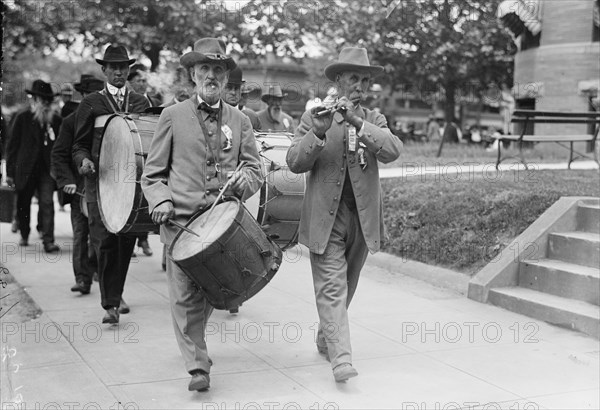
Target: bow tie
x=213, y=113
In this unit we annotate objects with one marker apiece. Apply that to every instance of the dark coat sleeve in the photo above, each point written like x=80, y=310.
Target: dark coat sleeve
x=84, y=129
x=13, y=144
x=61, y=160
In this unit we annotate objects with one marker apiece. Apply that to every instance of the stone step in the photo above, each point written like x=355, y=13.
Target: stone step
x=561, y=278
x=568, y=313
x=582, y=248
x=588, y=218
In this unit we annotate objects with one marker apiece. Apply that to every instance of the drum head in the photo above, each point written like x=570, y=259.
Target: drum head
x=117, y=173
x=209, y=228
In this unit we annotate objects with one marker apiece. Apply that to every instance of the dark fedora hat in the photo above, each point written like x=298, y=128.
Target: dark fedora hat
x=41, y=89
x=115, y=54
x=135, y=70
x=352, y=59
x=235, y=77
x=88, y=84
x=208, y=50
x=273, y=92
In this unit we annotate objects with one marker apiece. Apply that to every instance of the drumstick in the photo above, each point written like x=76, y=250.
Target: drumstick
x=79, y=193
x=239, y=167
x=185, y=228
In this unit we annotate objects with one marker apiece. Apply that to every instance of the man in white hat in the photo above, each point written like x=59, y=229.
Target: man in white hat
x=197, y=143
x=273, y=118
x=342, y=209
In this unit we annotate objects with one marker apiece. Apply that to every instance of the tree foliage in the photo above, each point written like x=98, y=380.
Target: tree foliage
x=457, y=46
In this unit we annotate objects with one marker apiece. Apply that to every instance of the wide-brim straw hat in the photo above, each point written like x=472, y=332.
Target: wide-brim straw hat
x=352, y=59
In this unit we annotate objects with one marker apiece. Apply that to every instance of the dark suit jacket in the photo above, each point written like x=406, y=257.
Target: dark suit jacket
x=86, y=143
x=63, y=169
x=253, y=118
x=29, y=147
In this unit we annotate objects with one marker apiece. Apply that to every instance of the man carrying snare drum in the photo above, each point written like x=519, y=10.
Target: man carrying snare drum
x=114, y=251
x=196, y=145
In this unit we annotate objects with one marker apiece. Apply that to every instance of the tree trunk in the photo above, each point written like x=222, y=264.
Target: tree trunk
x=450, y=105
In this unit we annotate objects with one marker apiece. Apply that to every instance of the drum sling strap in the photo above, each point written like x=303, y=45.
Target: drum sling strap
x=113, y=104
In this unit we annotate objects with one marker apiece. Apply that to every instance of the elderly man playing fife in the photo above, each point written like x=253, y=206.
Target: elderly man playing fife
x=196, y=145
x=341, y=218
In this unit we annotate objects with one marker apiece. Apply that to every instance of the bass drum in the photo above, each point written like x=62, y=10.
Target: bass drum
x=278, y=204
x=123, y=150
x=231, y=259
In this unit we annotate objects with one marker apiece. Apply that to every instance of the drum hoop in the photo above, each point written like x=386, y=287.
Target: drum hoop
x=138, y=194
x=195, y=216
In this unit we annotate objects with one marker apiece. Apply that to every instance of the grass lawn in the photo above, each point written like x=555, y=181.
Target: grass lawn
x=462, y=223
x=425, y=154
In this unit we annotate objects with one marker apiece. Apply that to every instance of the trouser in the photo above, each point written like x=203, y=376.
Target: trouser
x=84, y=264
x=335, y=277
x=141, y=237
x=43, y=182
x=190, y=312
x=114, y=254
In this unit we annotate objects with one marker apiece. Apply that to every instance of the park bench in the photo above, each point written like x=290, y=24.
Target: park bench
x=526, y=117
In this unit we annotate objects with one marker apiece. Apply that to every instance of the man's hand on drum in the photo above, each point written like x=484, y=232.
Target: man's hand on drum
x=163, y=212
x=238, y=183
x=87, y=168
x=70, y=189
x=321, y=123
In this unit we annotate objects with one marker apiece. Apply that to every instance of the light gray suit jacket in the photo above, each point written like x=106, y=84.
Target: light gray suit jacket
x=326, y=167
x=176, y=169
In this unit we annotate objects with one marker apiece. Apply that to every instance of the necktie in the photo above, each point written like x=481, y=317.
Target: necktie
x=120, y=100
x=212, y=112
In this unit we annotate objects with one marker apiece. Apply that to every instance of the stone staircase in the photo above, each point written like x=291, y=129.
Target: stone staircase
x=563, y=288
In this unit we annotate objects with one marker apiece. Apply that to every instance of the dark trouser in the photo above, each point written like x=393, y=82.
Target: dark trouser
x=114, y=254
x=84, y=266
x=141, y=237
x=335, y=278
x=43, y=182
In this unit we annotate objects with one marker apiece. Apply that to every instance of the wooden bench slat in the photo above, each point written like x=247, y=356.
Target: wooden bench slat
x=556, y=120
x=534, y=114
x=547, y=138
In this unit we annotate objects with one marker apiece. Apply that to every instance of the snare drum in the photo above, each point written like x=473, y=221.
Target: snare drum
x=123, y=150
x=231, y=260
x=278, y=204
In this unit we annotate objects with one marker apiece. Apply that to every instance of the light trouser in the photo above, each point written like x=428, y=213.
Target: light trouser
x=335, y=277
x=190, y=312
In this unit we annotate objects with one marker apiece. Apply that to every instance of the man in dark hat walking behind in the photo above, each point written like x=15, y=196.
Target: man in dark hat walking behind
x=114, y=251
x=341, y=213
x=232, y=95
x=28, y=161
x=273, y=118
x=70, y=181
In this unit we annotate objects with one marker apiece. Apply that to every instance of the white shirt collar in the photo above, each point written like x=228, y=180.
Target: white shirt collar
x=215, y=105
x=113, y=90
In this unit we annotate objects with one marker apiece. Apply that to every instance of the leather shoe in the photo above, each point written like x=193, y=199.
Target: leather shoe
x=200, y=381
x=51, y=247
x=23, y=242
x=111, y=316
x=14, y=227
x=343, y=372
x=123, y=307
x=82, y=287
x=145, y=248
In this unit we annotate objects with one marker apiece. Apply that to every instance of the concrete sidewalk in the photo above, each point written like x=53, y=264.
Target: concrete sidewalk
x=416, y=346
